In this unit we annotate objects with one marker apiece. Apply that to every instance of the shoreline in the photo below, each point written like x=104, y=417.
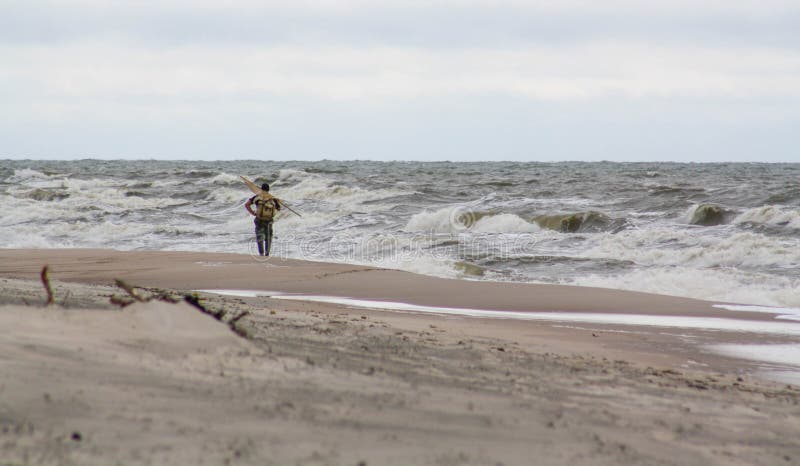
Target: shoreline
x=200, y=270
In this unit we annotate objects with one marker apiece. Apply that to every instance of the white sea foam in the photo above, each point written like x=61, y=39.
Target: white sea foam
x=770, y=215
x=700, y=323
x=682, y=247
x=116, y=235
x=782, y=361
x=59, y=182
x=721, y=284
x=438, y=221
x=79, y=185
x=226, y=179
x=313, y=187
x=705, y=323
x=105, y=200
x=784, y=313
x=422, y=264
x=290, y=175
x=160, y=183
x=503, y=223
x=562, y=202
x=26, y=174
x=229, y=196
x=309, y=221
x=392, y=252
x=460, y=219
x=788, y=354
x=686, y=217
x=25, y=238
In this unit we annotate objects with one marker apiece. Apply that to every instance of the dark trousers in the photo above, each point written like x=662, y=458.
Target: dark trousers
x=263, y=236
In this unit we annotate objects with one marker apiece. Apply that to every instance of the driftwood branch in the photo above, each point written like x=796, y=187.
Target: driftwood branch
x=120, y=301
x=238, y=317
x=161, y=295
x=129, y=289
x=194, y=300
x=232, y=324
x=45, y=275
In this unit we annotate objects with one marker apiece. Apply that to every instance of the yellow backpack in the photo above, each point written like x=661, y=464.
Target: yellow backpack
x=265, y=208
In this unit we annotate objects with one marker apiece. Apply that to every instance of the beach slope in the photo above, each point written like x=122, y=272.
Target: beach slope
x=88, y=382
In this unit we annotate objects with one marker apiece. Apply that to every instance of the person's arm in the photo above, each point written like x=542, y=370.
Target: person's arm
x=248, y=205
x=277, y=204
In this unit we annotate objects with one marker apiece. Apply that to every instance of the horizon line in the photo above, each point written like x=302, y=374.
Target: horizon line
x=151, y=159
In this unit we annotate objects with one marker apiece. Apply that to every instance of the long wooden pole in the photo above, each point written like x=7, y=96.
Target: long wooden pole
x=256, y=190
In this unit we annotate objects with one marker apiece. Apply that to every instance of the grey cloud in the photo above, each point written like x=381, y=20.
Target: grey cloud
x=45, y=120
x=433, y=26
x=455, y=128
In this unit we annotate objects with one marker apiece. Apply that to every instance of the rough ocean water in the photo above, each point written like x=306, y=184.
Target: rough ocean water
x=726, y=232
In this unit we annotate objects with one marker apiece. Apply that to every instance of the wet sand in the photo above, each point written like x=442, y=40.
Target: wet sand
x=319, y=383
x=181, y=270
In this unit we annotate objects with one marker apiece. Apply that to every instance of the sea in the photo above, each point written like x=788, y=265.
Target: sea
x=727, y=232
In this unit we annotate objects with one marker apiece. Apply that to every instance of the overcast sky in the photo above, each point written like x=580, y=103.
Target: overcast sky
x=684, y=80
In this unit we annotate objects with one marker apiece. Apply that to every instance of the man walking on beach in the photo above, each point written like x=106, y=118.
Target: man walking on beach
x=265, y=209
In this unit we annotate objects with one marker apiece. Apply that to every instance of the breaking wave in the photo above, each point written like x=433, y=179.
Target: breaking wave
x=669, y=247
x=226, y=179
x=714, y=285
x=770, y=215
x=308, y=186
x=458, y=219
x=707, y=215
x=589, y=221
x=27, y=174
x=633, y=226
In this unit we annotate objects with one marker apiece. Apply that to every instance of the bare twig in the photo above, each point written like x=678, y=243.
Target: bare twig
x=232, y=324
x=238, y=317
x=46, y=282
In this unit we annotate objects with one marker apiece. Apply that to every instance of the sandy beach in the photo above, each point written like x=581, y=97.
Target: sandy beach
x=281, y=381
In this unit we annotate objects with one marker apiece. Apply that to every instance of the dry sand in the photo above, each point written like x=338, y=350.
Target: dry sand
x=88, y=383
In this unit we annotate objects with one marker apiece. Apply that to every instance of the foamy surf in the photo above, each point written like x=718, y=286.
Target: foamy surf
x=784, y=313
x=602, y=224
x=779, y=362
